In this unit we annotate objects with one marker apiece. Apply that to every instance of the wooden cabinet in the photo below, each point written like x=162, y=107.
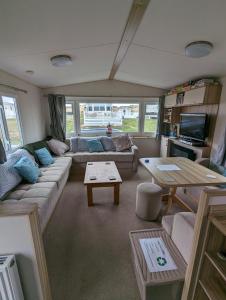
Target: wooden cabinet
x=171, y=115
x=212, y=276
x=171, y=100
x=208, y=94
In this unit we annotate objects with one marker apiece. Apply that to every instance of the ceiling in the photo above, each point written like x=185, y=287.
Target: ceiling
x=90, y=31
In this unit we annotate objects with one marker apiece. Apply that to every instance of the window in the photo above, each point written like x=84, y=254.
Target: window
x=151, y=117
x=92, y=117
x=10, y=129
x=70, y=126
x=123, y=117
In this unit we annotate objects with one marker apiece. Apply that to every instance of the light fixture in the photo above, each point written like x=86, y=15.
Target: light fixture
x=198, y=49
x=61, y=60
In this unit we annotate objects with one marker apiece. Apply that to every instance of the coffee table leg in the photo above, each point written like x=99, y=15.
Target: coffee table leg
x=116, y=193
x=90, y=195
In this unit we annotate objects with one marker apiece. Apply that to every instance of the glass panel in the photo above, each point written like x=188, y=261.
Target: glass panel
x=150, y=118
x=70, y=127
x=124, y=117
x=12, y=121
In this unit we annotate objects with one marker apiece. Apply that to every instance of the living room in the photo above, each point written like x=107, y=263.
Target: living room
x=112, y=143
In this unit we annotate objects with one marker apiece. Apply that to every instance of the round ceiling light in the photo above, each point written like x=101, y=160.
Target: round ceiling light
x=198, y=49
x=61, y=60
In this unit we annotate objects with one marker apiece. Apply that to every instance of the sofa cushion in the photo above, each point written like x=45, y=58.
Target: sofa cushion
x=44, y=157
x=107, y=143
x=95, y=145
x=183, y=232
x=57, y=147
x=83, y=157
x=35, y=146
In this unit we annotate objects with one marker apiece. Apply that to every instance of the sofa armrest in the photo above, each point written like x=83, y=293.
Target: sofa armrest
x=205, y=162
x=135, y=151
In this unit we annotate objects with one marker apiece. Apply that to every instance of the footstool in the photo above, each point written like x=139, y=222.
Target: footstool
x=148, y=201
x=157, y=285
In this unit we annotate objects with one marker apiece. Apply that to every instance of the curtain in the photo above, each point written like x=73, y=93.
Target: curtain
x=2, y=153
x=160, y=118
x=57, y=111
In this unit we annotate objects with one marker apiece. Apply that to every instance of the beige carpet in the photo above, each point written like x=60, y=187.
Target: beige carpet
x=87, y=249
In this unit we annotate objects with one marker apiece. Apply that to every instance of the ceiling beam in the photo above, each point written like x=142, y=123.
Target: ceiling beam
x=134, y=19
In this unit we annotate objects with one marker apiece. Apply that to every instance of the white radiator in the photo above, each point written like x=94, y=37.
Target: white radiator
x=10, y=287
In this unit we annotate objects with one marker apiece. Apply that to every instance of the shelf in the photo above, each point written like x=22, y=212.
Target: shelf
x=218, y=264
x=220, y=224
x=213, y=290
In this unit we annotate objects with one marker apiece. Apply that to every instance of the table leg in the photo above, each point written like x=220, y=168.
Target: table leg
x=172, y=192
x=116, y=193
x=90, y=195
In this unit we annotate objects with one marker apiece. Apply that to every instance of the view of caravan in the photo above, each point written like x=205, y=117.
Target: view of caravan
x=123, y=117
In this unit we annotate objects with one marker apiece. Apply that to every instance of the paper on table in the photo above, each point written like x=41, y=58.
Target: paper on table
x=171, y=167
x=157, y=255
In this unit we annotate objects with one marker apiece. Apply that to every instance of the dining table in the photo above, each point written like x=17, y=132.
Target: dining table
x=174, y=172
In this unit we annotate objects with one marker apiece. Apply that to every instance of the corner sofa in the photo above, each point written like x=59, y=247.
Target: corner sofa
x=80, y=155
x=47, y=190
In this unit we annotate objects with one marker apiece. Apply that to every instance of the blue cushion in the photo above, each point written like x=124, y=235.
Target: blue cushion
x=44, y=157
x=27, y=169
x=95, y=146
x=107, y=143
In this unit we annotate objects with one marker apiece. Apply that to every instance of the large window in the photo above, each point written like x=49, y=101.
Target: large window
x=92, y=117
x=10, y=130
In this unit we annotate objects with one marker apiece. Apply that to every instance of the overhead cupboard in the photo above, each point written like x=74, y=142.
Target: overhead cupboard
x=207, y=94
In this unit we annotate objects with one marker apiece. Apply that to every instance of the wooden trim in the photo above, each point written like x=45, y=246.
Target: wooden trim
x=40, y=254
x=134, y=19
x=197, y=248
x=16, y=209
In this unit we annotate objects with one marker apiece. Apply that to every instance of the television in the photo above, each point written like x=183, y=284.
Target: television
x=193, y=126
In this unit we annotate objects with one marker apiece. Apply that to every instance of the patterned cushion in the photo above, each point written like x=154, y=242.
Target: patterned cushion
x=122, y=142
x=9, y=178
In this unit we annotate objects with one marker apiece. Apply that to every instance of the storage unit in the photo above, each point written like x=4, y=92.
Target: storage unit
x=212, y=276
x=170, y=100
x=164, y=146
x=157, y=285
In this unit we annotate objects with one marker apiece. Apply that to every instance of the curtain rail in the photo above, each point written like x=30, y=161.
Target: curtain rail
x=13, y=88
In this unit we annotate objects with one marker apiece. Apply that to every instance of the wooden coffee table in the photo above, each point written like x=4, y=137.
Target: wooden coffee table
x=102, y=174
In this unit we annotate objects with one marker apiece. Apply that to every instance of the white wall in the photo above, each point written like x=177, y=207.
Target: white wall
x=221, y=119
x=30, y=107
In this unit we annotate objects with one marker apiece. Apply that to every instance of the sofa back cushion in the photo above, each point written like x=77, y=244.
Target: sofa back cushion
x=107, y=143
x=9, y=177
x=57, y=147
x=35, y=146
x=80, y=144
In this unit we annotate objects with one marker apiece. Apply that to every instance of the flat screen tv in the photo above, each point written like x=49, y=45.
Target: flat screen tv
x=193, y=126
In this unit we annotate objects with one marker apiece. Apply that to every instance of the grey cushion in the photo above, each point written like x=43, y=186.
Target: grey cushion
x=107, y=143
x=9, y=177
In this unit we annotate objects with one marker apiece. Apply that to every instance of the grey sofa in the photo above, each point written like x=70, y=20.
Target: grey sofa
x=46, y=192
x=124, y=160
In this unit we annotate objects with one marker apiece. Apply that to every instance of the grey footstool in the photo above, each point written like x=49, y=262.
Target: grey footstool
x=148, y=201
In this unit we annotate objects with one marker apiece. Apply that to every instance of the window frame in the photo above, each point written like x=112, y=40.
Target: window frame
x=6, y=142
x=141, y=101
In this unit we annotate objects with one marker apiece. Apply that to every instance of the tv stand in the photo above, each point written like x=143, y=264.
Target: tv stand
x=199, y=152
x=192, y=142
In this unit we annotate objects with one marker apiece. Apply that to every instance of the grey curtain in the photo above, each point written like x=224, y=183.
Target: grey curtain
x=2, y=153
x=159, y=131
x=57, y=111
